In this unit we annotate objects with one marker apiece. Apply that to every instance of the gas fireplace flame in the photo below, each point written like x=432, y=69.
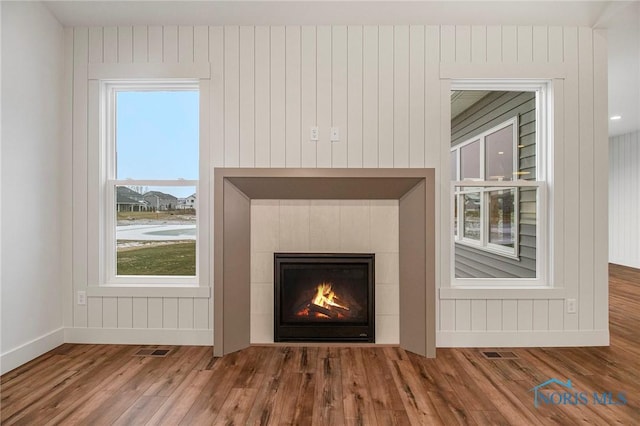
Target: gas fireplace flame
x=326, y=298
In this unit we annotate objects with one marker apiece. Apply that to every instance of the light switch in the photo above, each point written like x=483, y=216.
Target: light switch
x=314, y=134
x=335, y=134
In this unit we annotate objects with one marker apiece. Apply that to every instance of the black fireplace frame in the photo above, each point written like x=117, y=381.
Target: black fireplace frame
x=324, y=332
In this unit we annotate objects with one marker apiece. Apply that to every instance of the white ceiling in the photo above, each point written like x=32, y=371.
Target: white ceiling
x=622, y=18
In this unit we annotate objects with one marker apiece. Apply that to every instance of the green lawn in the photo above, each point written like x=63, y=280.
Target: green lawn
x=172, y=259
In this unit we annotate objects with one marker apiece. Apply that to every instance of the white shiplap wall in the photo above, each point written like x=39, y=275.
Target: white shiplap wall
x=385, y=88
x=624, y=199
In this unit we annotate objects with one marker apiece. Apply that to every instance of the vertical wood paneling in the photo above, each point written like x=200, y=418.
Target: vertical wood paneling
x=586, y=160
x=201, y=44
x=293, y=97
x=494, y=44
x=478, y=44
x=278, y=113
x=572, y=238
x=323, y=95
x=601, y=196
x=154, y=306
x=140, y=312
x=155, y=43
x=556, y=44
x=509, y=315
x=558, y=187
x=110, y=44
x=169, y=312
x=494, y=315
x=125, y=45
x=525, y=315
x=416, y=96
x=185, y=43
x=463, y=315
x=463, y=44
x=370, y=97
x=432, y=99
x=525, y=44
x=66, y=151
x=140, y=44
x=247, y=97
x=401, y=96
x=447, y=315
x=509, y=44
x=170, y=43
x=201, y=314
x=556, y=314
x=478, y=315
x=95, y=45
x=263, y=101
x=125, y=312
x=385, y=97
x=540, y=45
x=79, y=134
x=231, y=96
x=355, y=45
x=185, y=312
x=216, y=96
x=94, y=308
x=541, y=315
x=447, y=44
x=110, y=312
x=93, y=181
x=339, y=95
x=308, y=148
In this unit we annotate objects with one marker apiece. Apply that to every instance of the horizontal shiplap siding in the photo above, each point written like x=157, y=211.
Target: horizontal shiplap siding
x=624, y=200
x=492, y=110
x=380, y=85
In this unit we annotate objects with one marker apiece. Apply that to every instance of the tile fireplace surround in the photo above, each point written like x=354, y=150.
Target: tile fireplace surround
x=236, y=187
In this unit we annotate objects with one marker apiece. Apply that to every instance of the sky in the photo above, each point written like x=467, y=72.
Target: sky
x=157, y=135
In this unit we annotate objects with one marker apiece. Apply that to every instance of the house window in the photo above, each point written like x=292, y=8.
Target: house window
x=151, y=150
x=498, y=183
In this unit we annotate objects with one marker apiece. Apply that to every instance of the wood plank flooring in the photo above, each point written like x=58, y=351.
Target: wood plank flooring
x=107, y=384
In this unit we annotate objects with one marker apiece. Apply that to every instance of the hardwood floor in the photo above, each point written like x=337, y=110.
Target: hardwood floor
x=108, y=384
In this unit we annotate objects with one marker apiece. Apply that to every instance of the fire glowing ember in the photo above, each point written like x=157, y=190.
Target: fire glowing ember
x=326, y=298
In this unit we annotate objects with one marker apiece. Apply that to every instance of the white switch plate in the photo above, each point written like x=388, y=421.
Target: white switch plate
x=314, y=134
x=335, y=134
x=82, y=298
x=571, y=306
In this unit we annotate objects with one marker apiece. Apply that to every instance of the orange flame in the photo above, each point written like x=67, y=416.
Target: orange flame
x=326, y=298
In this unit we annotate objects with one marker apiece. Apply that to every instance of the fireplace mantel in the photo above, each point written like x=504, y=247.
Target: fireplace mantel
x=235, y=188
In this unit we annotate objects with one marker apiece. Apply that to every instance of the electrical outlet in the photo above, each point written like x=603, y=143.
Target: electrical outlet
x=314, y=134
x=82, y=298
x=571, y=306
x=335, y=134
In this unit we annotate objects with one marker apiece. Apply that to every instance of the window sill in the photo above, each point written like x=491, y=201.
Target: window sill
x=149, y=291
x=501, y=293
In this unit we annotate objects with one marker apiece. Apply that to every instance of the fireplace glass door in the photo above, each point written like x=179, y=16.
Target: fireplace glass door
x=324, y=297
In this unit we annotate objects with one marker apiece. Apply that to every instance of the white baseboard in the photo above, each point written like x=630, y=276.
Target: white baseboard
x=506, y=339
x=139, y=336
x=14, y=358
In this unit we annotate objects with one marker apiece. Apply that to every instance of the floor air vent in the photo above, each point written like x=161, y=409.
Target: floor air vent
x=499, y=355
x=154, y=352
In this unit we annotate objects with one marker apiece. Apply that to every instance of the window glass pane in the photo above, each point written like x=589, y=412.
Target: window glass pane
x=502, y=226
x=157, y=134
x=471, y=216
x=454, y=165
x=470, y=161
x=499, y=154
x=156, y=230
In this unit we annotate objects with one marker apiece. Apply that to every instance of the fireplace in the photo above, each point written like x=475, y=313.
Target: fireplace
x=324, y=297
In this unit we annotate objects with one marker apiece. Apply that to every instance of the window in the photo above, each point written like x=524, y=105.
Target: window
x=498, y=190
x=487, y=214
x=151, y=151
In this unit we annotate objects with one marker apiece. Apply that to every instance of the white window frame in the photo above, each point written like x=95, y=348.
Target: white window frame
x=544, y=120
x=109, y=182
x=483, y=243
